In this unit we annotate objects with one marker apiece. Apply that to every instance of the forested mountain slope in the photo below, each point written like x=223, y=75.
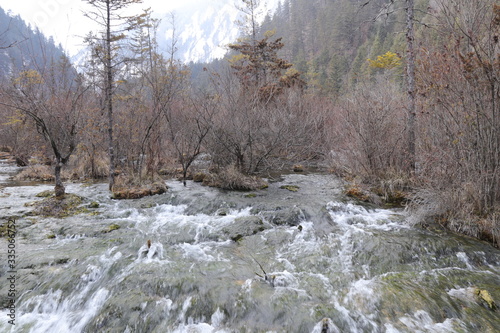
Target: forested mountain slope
x=21, y=46
x=330, y=40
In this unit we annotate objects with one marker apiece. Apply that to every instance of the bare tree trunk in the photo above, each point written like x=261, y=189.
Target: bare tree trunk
x=410, y=73
x=109, y=97
x=59, y=188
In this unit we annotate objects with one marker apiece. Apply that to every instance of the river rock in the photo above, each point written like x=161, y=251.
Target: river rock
x=244, y=226
x=291, y=216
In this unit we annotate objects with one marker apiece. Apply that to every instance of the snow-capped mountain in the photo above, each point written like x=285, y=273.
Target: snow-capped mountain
x=204, y=29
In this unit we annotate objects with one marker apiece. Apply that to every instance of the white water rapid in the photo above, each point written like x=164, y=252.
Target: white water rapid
x=198, y=259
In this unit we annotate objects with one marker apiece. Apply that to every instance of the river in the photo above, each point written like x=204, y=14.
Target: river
x=199, y=259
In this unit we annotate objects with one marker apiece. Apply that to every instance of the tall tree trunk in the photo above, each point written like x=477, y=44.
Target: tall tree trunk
x=59, y=188
x=109, y=97
x=410, y=73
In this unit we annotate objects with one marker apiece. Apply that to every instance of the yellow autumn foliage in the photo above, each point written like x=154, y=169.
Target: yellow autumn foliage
x=388, y=60
x=16, y=118
x=238, y=58
x=29, y=77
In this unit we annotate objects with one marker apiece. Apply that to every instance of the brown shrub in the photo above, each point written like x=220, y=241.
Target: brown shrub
x=90, y=165
x=131, y=187
x=355, y=191
x=230, y=178
x=36, y=173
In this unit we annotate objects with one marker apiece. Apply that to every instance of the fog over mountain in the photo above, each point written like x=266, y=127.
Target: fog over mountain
x=203, y=29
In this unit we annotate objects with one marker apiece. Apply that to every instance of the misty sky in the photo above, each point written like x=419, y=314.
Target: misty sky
x=63, y=19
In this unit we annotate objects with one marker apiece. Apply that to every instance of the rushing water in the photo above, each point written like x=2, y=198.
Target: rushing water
x=198, y=259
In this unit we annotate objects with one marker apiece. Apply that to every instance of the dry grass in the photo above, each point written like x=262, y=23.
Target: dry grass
x=355, y=191
x=87, y=166
x=456, y=210
x=131, y=187
x=36, y=172
x=230, y=178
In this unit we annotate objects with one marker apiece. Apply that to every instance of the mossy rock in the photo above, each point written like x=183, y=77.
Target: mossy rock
x=94, y=204
x=250, y=195
x=64, y=206
x=291, y=188
x=112, y=227
x=45, y=194
x=485, y=297
x=4, y=229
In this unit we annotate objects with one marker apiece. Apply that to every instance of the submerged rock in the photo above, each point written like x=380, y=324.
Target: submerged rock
x=244, y=226
x=94, y=204
x=112, y=227
x=291, y=216
x=291, y=188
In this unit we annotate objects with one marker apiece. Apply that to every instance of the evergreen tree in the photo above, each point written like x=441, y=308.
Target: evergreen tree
x=259, y=67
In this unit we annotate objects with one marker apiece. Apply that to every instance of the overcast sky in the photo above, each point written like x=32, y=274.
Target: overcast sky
x=63, y=19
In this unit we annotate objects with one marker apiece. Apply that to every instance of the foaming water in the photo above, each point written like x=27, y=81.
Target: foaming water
x=52, y=313
x=187, y=261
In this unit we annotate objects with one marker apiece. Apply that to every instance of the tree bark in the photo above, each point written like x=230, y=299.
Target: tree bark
x=109, y=97
x=59, y=188
x=410, y=74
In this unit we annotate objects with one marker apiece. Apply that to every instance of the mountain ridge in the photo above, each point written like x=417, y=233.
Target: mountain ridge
x=203, y=31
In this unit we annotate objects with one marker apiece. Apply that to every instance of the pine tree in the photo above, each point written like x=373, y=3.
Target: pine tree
x=259, y=67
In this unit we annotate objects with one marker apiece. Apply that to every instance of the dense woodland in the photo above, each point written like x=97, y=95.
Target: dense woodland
x=323, y=83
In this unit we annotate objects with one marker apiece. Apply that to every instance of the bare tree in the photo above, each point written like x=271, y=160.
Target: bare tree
x=105, y=47
x=188, y=125
x=373, y=131
x=459, y=84
x=53, y=99
x=410, y=75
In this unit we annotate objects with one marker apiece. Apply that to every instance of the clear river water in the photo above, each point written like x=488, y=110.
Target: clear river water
x=199, y=259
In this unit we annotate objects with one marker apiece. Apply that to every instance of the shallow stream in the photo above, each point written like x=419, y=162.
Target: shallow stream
x=199, y=259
